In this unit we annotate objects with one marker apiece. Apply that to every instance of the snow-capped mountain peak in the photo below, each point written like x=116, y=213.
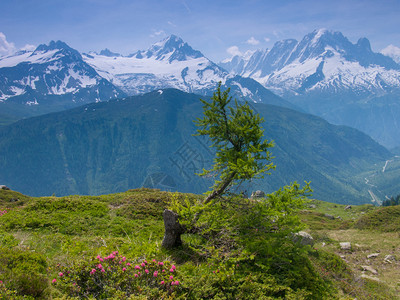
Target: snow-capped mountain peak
x=170, y=49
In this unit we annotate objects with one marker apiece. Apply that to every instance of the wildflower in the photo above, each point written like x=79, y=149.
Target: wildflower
x=162, y=282
x=173, y=267
x=102, y=270
x=154, y=260
x=171, y=270
x=124, y=269
x=99, y=266
x=98, y=256
x=155, y=274
x=137, y=267
x=54, y=280
x=128, y=264
x=177, y=282
x=161, y=263
x=171, y=277
x=60, y=274
x=92, y=272
x=124, y=258
x=136, y=275
x=143, y=264
x=100, y=259
x=163, y=270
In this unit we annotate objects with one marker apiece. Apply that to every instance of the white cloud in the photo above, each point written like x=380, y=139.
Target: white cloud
x=234, y=50
x=6, y=48
x=252, y=41
x=157, y=33
x=171, y=23
x=28, y=47
x=267, y=39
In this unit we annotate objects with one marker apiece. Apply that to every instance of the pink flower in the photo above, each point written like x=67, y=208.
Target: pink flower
x=137, y=267
x=92, y=272
x=161, y=263
x=145, y=261
x=60, y=274
x=177, y=282
x=100, y=259
x=143, y=264
x=172, y=283
x=173, y=267
x=136, y=275
x=147, y=271
x=163, y=270
x=155, y=274
x=171, y=270
x=154, y=260
x=128, y=264
x=54, y=280
x=98, y=256
x=99, y=266
x=124, y=258
x=171, y=277
x=124, y=269
x=102, y=270
x=162, y=282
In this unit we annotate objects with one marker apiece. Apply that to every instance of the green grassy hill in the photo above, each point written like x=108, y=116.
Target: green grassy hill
x=49, y=247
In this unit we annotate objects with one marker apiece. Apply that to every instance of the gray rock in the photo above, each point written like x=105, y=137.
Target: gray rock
x=345, y=246
x=257, y=194
x=173, y=230
x=369, y=269
x=389, y=258
x=3, y=187
x=370, y=277
x=329, y=216
x=347, y=207
x=373, y=255
x=303, y=238
x=312, y=206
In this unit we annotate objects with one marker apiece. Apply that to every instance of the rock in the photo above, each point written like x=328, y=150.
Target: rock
x=373, y=255
x=257, y=194
x=312, y=206
x=389, y=258
x=173, y=230
x=347, y=207
x=370, y=277
x=329, y=216
x=339, y=218
x=3, y=187
x=303, y=238
x=369, y=269
x=345, y=246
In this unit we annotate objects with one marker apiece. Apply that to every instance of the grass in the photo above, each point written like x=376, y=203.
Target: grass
x=50, y=232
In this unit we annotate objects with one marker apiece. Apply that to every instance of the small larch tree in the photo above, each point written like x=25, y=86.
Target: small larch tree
x=241, y=151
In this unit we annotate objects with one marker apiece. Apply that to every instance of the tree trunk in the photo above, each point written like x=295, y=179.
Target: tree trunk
x=173, y=230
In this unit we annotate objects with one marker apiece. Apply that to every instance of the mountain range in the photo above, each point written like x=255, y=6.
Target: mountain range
x=327, y=75
x=55, y=77
x=148, y=140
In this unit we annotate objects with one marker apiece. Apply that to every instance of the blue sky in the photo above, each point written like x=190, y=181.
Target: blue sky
x=211, y=26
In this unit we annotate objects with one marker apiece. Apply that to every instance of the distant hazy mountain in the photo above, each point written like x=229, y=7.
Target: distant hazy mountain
x=147, y=141
x=327, y=75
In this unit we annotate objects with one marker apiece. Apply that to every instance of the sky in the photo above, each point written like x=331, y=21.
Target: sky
x=217, y=28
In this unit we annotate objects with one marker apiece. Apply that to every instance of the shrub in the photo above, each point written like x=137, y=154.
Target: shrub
x=115, y=276
x=23, y=272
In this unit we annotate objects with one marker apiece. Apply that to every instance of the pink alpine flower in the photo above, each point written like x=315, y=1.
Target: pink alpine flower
x=155, y=274
x=54, y=280
x=124, y=269
x=176, y=282
x=162, y=282
x=143, y=264
x=171, y=277
x=161, y=263
x=147, y=271
x=171, y=270
x=93, y=271
x=128, y=264
x=60, y=274
x=99, y=266
x=136, y=275
x=137, y=267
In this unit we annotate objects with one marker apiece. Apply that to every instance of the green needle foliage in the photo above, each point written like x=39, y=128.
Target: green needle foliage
x=236, y=133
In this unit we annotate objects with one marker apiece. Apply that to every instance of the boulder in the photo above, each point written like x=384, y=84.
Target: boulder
x=373, y=255
x=347, y=207
x=3, y=187
x=369, y=269
x=329, y=216
x=389, y=258
x=345, y=246
x=303, y=238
